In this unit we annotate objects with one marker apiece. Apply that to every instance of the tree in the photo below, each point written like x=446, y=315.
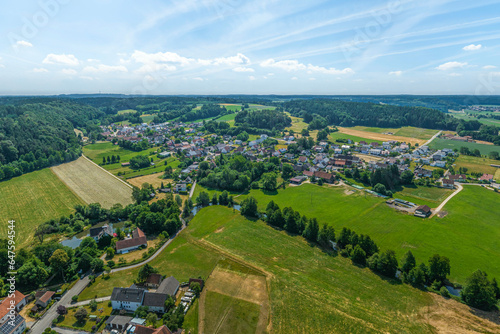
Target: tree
x=152, y=319
x=249, y=207
x=178, y=200
x=215, y=200
x=385, y=263
x=85, y=262
x=32, y=274
x=144, y=273
x=203, y=199
x=358, y=255
x=408, y=262
x=269, y=181
x=439, y=268
x=97, y=265
x=407, y=177
x=59, y=260
x=416, y=276
x=479, y=291
x=81, y=314
x=494, y=283
x=380, y=188
x=311, y=231
x=195, y=286
x=93, y=305
x=169, y=303
x=110, y=252
x=61, y=310
x=326, y=233
x=287, y=171
x=141, y=312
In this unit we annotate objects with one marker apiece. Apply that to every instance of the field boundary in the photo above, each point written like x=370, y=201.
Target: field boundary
x=116, y=177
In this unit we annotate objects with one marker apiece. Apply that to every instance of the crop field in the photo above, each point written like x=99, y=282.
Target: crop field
x=398, y=231
x=92, y=184
x=380, y=136
x=465, y=116
x=431, y=196
x=355, y=139
x=440, y=143
x=227, y=118
x=32, y=199
x=153, y=179
x=476, y=164
x=126, y=111
x=147, y=118
x=298, y=124
x=407, y=131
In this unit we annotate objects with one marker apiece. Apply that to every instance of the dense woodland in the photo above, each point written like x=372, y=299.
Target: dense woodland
x=263, y=119
x=341, y=113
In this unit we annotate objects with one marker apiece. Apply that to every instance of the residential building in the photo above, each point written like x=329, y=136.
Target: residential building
x=126, y=298
x=98, y=232
x=168, y=286
x=138, y=239
x=422, y=211
x=45, y=299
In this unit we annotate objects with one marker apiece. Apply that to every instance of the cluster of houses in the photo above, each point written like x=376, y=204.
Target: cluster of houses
x=135, y=241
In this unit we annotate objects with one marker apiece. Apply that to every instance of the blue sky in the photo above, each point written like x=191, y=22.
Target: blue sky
x=250, y=47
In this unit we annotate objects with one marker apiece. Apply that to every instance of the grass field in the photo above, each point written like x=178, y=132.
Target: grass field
x=226, y=118
x=32, y=199
x=70, y=321
x=126, y=111
x=407, y=131
x=431, y=196
x=92, y=184
x=440, y=143
x=487, y=121
x=476, y=164
x=147, y=118
x=463, y=228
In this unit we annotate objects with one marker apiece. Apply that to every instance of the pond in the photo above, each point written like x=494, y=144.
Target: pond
x=197, y=209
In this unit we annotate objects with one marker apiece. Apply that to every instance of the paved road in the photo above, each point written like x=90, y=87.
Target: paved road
x=433, y=137
x=68, y=331
x=192, y=189
x=51, y=314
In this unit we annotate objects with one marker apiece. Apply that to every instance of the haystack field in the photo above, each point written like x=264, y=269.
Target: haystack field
x=93, y=184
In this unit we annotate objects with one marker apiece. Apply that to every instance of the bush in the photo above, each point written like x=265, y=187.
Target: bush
x=74, y=299
x=444, y=292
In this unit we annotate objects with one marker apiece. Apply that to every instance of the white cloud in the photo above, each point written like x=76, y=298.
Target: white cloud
x=40, y=70
x=312, y=79
x=396, y=73
x=150, y=68
x=295, y=78
x=243, y=69
x=25, y=44
x=90, y=60
x=251, y=77
x=294, y=65
x=489, y=67
x=451, y=65
x=472, y=47
x=105, y=69
x=455, y=75
x=63, y=59
x=68, y=71
x=198, y=79
x=86, y=77
x=239, y=59
x=160, y=57
x=270, y=74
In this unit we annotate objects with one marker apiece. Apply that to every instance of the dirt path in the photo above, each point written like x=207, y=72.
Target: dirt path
x=433, y=137
x=440, y=207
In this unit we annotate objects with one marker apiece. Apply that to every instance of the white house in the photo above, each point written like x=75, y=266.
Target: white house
x=126, y=298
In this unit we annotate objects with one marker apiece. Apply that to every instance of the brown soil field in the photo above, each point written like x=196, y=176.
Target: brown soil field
x=380, y=136
x=448, y=316
x=367, y=157
x=153, y=179
x=93, y=184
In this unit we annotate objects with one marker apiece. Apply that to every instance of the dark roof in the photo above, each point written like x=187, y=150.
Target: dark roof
x=139, y=329
x=127, y=295
x=447, y=181
x=168, y=286
x=323, y=175
x=423, y=208
x=154, y=299
x=118, y=320
x=7, y=327
x=154, y=279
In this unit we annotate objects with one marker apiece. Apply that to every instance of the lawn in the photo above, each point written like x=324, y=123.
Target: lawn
x=191, y=319
x=476, y=164
x=431, y=196
x=147, y=118
x=70, y=321
x=298, y=124
x=126, y=111
x=407, y=131
x=32, y=199
x=226, y=118
x=472, y=220
x=96, y=152
x=440, y=143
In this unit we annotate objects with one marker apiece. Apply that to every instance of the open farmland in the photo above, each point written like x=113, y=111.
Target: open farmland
x=476, y=164
x=93, y=184
x=355, y=139
x=398, y=231
x=440, y=143
x=380, y=136
x=32, y=199
x=407, y=131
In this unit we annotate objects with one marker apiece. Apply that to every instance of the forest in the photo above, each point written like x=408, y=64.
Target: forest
x=263, y=119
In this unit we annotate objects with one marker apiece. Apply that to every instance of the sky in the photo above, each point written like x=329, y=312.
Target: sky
x=250, y=47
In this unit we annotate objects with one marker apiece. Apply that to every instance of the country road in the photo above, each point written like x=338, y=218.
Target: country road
x=433, y=137
x=440, y=207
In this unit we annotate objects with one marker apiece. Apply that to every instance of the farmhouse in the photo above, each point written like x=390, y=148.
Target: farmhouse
x=155, y=301
x=45, y=299
x=422, y=211
x=486, y=177
x=138, y=239
x=153, y=281
x=19, y=300
x=297, y=180
x=168, y=286
x=327, y=177
x=126, y=298
x=448, y=183
x=98, y=232
x=458, y=177
x=118, y=322
x=140, y=329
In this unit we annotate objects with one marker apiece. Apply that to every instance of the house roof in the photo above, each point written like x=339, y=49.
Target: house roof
x=323, y=175
x=168, y=286
x=423, y=208
x=134, y=242
x=46, y=296
x=486, y=177
x=4, y=306
x=154, y=279
x=119, y=320
x=127, y=295
x=448, y=181
x=457, y=177
x=154, y=299
x=139, y=329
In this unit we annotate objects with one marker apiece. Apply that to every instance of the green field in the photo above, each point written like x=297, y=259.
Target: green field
x=240, y=317
x=338, y=135
x=465, y=229
x=431, y=196
x=440, y=143
x=487, y=121
x=476, y=164
x=127, y=111
x=407, y=131
x=147, y=118
x=226, y=118
x=97, y=151
x=32, y=199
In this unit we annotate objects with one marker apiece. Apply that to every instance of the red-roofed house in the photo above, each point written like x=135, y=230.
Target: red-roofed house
x=45, y=299
x=10, y=321
x=486, y=177
x=138, y=239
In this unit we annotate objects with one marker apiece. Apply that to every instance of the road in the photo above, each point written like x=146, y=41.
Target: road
x=433, y=137
x=51, y=314
x=440, y=207
x=191, y=192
